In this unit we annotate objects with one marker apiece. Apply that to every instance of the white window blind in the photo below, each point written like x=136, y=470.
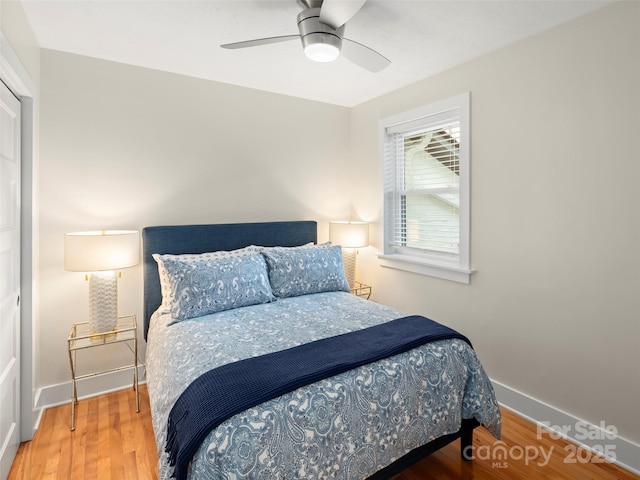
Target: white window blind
x=425, y=159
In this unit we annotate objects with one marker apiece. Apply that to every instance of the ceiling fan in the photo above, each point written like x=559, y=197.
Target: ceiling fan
x=321, y=24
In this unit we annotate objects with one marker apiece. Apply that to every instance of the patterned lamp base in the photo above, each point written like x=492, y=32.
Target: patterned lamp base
x=103, y=303
x=349, y=260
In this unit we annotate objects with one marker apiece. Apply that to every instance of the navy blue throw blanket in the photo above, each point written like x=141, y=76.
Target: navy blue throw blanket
x=225, y=391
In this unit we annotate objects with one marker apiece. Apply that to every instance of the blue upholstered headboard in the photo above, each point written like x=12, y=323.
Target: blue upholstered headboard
x=177, y=239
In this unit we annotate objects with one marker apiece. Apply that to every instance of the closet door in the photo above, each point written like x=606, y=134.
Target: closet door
x=9, y=278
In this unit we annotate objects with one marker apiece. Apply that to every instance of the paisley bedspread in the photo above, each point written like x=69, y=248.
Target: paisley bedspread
x=345, y=427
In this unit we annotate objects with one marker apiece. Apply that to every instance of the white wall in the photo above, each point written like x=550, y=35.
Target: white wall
x=126, y=147
x=16, y=29
x=554, y=308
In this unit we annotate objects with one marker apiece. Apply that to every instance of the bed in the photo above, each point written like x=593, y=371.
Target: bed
x=366, y=421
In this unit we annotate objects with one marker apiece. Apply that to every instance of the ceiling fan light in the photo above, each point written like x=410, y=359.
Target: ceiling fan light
x=321, y=52
x=319, y=46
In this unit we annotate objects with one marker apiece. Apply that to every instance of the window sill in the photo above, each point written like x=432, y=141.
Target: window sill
x=432, y=269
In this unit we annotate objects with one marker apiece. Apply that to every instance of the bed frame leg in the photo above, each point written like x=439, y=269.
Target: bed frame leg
x=466, y=445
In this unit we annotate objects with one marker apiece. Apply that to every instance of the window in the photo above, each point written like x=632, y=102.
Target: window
x=426, y=189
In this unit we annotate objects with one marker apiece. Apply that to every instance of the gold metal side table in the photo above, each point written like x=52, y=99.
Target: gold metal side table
x=81, y=338
x=361, y=290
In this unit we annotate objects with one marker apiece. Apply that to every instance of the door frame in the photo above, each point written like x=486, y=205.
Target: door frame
x=15, y=76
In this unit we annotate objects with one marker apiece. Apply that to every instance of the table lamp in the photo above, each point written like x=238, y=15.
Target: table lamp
x=350, y=236
x=98, y=254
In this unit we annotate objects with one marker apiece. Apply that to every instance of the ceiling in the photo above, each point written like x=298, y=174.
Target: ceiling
x=420, y=37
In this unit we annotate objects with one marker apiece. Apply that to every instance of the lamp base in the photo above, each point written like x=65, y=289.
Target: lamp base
x=101, y=337
x=349, y=261
x=103, y=304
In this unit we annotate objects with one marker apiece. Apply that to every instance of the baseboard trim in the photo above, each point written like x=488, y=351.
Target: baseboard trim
x=593, y=438
x=59, y=394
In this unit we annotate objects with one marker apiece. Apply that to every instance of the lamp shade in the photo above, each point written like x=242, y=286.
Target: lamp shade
x=101, y=250
x=349, y=234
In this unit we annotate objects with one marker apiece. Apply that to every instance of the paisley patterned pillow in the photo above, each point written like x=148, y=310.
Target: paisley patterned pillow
x=165, y=287
x=304, y=270
x=216, y=284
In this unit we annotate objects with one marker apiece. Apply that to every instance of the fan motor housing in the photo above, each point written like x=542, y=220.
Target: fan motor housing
x=313, y=31
x=310, y=3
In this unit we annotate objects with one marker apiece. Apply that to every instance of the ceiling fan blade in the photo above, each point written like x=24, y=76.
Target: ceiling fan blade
x=363, y=56
x=336, y=13
x=260, y=41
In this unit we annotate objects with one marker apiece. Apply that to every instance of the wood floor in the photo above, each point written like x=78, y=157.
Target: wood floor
x=112, y=441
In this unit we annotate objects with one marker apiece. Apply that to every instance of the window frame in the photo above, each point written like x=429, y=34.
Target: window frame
x=454, y=267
